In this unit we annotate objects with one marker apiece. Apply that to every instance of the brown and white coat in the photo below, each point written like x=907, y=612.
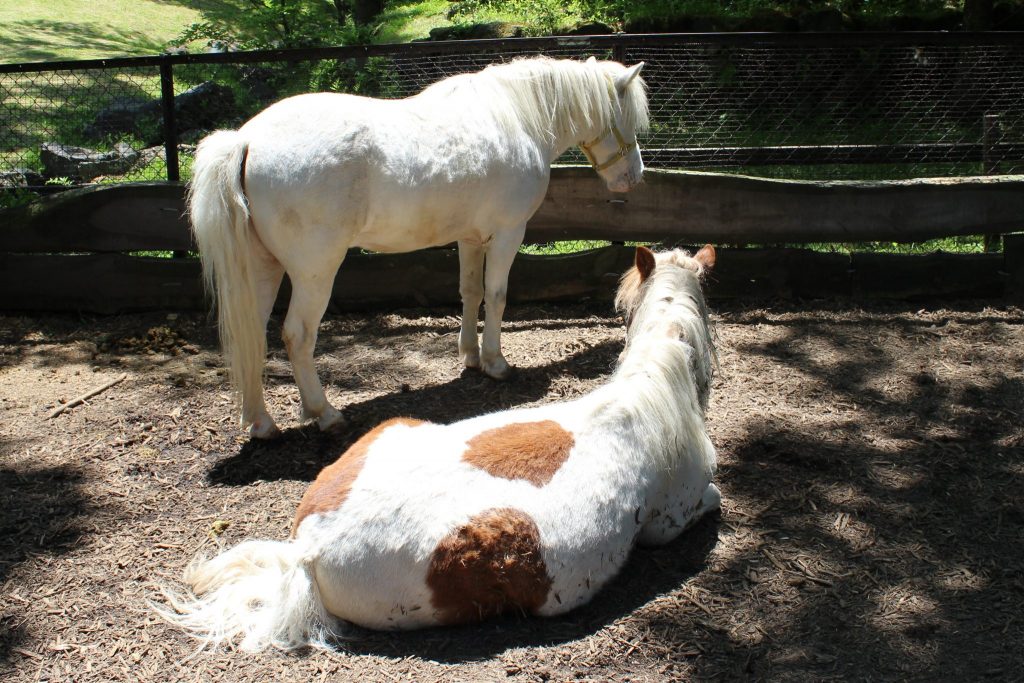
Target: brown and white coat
x=528, y=510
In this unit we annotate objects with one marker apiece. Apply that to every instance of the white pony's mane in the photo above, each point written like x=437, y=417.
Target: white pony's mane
x=670, y=353
x=550, y=98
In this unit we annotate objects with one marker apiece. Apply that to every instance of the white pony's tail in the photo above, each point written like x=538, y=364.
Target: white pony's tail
x=260, y=593
x=220, y=223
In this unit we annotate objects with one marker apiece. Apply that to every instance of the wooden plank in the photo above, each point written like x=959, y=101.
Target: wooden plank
x=718, y=208
x=1013, y=266
x=100, y=218
x=778, y=274
x=921, y=276
x=98, y=283
x=669, y=205
x=115, y=283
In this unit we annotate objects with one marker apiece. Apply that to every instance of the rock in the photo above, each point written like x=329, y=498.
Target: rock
x=202, y=106
x=260, y=82
x=591, y=28
x=126, y=117
x=79, y=163
x=20, y=178
x=494, y=29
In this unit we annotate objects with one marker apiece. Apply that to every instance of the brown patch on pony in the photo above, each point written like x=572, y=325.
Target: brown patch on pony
x=533, y=451
x=334, y=482
x=488, y=566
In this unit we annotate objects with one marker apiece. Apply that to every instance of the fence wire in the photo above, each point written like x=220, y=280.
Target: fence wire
x=793, y=107
x=779, y=110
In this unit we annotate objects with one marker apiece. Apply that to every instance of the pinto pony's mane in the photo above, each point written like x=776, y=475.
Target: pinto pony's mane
x=550, y=98
x=670, y=352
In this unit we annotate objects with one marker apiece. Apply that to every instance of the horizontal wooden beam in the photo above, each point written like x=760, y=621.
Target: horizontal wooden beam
x=674, y=206
x=719, y=208
x=115, y=283
x=100, y=218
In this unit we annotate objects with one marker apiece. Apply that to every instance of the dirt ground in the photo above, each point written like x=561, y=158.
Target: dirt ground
x=871, y=463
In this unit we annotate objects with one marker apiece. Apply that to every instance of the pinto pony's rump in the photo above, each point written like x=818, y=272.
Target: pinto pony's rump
x=467, y=161
x=524, y=511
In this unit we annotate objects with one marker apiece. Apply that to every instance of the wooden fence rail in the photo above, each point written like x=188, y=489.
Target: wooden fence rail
x=71, y=251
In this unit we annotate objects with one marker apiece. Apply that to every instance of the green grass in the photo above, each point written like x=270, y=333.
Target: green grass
x=402, y=22
x=48, y=30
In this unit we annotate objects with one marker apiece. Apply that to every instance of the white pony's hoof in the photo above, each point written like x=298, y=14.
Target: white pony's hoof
x=470, y=359
x=499, y=369
x=264, y=429
x=331, y=420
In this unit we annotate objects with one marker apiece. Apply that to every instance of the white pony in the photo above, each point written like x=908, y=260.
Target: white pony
x=467, y=160
x=529, y=510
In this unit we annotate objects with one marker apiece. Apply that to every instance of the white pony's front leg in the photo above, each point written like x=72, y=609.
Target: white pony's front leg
x=471, y=289
x=310, y=295
x=501, y=252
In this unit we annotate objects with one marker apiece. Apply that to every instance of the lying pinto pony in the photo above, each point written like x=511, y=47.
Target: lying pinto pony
x=530, y=510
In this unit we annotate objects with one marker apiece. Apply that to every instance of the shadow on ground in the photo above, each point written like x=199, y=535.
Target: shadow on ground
x=300, y=453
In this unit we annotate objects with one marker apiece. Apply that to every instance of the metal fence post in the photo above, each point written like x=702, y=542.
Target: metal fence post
x=170, y=125
x=990, y=134
x=619, y=52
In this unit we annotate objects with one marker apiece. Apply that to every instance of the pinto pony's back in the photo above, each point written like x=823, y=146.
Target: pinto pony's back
x=527, y=510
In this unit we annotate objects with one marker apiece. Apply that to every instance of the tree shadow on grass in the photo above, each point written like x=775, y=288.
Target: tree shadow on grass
x=44, y=40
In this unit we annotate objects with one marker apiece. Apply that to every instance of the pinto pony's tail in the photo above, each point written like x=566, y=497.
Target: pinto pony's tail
x=260, y=593
x=220, y=222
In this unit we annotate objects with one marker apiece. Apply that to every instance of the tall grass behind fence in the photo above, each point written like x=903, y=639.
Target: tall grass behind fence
x=810, y=106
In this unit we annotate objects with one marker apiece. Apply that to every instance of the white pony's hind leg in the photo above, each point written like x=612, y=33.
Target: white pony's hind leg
x=471, y=289
x=268, y=275
x=310, y=296
x=500, y=254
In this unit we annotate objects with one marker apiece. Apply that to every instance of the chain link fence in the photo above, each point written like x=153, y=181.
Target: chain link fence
x=806, y=106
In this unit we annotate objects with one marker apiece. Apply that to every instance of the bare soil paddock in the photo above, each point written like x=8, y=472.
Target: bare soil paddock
x=871, y=463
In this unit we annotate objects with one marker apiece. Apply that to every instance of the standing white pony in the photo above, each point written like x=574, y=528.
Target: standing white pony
x=467, y=160
x=530, y=510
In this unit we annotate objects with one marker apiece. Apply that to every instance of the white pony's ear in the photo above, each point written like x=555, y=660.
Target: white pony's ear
x=626, y=78
x=592, y=60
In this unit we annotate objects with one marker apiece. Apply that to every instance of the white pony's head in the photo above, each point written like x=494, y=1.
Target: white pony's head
x=614, y=152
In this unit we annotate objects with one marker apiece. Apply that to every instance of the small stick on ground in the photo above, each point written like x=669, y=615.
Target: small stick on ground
x=86, y=396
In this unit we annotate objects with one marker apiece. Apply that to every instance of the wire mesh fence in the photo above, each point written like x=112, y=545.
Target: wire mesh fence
x=806, y=106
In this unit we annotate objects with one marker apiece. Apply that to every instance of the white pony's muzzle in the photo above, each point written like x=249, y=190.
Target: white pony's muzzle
x=624, y=153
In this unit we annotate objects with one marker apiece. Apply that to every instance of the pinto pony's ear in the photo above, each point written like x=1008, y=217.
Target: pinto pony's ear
x=706, y=257
x=644, y=262
x=623, y=81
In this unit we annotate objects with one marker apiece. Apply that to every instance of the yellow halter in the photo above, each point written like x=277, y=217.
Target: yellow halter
x=624, y=148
